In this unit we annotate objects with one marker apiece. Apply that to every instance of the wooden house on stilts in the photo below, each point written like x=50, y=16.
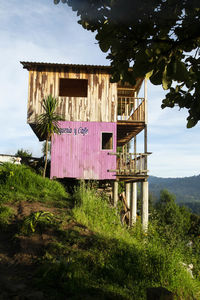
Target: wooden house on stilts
x=99, y=117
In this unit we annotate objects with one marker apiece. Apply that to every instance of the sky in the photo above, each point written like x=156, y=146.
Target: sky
x=38, y=30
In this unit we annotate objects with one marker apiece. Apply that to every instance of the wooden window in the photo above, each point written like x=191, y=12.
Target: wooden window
x=73, y=87
x=107, y=141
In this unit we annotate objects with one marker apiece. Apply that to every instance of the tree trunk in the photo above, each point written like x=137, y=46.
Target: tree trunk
x=46, y=153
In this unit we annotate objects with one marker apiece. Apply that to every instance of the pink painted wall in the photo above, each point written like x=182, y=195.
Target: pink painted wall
x=76, y=153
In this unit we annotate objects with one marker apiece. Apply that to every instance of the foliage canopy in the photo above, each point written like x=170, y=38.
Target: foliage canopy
x=160, y=39
x=172, y=219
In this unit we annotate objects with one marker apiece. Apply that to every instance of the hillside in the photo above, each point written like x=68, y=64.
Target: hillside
x=59, y=246
x=186, y=189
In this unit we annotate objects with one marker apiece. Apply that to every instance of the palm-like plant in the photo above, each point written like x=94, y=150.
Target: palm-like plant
x=47, y=123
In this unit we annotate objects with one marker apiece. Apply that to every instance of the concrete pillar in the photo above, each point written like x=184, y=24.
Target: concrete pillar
x=115, y=193
x=145, y=204
x=128, y=193
x=133, y=205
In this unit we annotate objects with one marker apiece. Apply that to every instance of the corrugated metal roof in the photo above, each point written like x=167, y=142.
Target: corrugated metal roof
x=41, y=65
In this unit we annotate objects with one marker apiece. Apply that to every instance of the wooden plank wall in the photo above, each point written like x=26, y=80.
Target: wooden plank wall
x=77, y=151
x=99, y=106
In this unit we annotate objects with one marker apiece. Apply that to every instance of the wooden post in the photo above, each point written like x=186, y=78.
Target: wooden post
x=145, y=205
x=128, y=193
x=133, y=205
x=145, y=147
x=145, y=102
x=135, y=145
x=115, y=193
x=146, y=120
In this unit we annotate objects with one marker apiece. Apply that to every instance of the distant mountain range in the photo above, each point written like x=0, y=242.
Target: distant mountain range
x=186, y=189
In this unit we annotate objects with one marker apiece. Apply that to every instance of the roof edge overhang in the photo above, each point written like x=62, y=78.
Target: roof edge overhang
x=40, y=66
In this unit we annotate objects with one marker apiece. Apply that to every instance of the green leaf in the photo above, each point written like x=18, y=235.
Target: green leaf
x=181, y=73
x=156, y=77
x=115, y=77
x=148, y=52
x=166, y=82
x=104, y=45
x=191, y=123
x=148, y=75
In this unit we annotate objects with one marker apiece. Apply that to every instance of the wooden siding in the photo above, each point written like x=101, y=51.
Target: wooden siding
x=99, y=106
x=76, y=152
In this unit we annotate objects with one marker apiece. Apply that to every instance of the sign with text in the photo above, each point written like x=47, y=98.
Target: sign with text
x=76, y=131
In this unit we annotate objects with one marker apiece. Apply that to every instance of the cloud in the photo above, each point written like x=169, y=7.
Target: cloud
x=38, y=30
x=34, y=31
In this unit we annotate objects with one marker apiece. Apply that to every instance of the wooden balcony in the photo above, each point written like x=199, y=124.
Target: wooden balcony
x=131, y=165
x=130, y=118
x=131, y=109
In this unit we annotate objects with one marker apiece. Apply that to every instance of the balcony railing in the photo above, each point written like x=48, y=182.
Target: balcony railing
x=131, y=163
x=131, y=109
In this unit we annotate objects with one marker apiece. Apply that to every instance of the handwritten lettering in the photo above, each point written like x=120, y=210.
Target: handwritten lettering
x=65, y=130
x=83, y=131
x=80, y=131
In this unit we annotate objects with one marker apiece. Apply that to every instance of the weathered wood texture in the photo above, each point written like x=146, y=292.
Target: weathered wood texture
x=131, y=163
x=100, y=105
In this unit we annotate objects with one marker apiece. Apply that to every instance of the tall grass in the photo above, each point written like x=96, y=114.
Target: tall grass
x=19, y=182
x=127, y=259
x=95, y=212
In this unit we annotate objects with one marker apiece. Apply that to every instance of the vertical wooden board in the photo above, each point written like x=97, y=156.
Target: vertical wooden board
x=43, y=77
x=40, y=95
x=90, y=97
x=93, y=98
x=36, y=98
x=55, y=84
x=103, y=99
x=30, y=105
x=107, y=99
x=115, y=102
x=77, y=152
x=99, y=92
x=112, y=101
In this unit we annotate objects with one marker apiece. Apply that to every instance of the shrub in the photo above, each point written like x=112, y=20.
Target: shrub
x=23, y=153
x=37, y=220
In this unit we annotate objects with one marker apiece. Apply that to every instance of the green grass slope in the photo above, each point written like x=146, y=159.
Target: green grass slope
x=76, y=247
x=19, y=182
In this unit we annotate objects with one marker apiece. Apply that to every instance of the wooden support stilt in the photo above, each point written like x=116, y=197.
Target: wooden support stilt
x=133, y=204
x=145, y=147
x=145, y=205
x=145, y=101
x=115, y=193
x=128, y=193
